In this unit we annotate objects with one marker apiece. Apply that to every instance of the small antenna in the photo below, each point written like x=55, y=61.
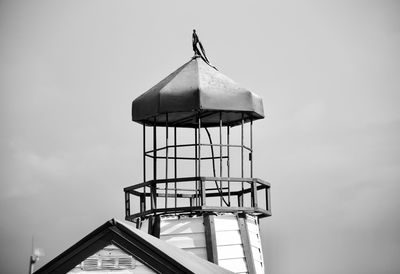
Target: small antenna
x=36, y=253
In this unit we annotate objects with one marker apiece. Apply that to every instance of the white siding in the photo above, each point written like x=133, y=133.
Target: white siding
x=229, y=244
x=228, y=237
x=255, y=242
x=230, y=251
x=185, y=233
x=237, y=265
x=188, y=233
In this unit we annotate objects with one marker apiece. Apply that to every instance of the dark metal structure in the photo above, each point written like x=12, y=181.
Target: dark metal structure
x=197, y=147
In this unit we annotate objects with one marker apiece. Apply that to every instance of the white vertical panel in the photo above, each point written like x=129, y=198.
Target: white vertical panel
x=230, y=251
x=185, y=233
x=228, y=237
x=259, y=266
x=257, y=255
x=234, y=265
x=255, y=239
x=255, y=242
x=179, y=226
x=189, y=240
x=226, y=222
x=229, y=244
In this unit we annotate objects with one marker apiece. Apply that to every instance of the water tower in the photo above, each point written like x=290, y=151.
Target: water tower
x=198, y=190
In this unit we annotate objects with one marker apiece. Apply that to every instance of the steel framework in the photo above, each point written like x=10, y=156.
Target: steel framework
x=170, y=194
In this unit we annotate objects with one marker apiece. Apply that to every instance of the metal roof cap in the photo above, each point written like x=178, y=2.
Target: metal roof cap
x=196, y=89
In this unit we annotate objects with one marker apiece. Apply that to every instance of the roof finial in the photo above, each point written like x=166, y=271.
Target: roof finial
x=199, y=49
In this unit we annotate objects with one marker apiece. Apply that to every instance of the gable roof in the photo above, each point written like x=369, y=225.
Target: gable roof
x=154, y=253
x=196, y=87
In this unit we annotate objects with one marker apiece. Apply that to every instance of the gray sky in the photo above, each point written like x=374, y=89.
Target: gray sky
x=329, y=76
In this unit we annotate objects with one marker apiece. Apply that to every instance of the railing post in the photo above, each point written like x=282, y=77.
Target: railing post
x=241, y=156
x=127, y=205
x=166, y=160
x=142, y=203
x=254, y=202
x=195, y=167
x=175, y=167
x=228, y=164
x=203, y=191
x=153, y=186
x=220, y=158
x=144, y=162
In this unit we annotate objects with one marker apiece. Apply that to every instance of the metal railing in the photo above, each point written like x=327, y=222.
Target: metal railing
x=194, y=195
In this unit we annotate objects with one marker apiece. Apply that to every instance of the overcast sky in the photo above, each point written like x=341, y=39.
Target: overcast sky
x=329, y=75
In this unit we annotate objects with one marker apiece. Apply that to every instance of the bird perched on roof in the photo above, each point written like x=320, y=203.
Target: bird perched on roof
x=198, y=47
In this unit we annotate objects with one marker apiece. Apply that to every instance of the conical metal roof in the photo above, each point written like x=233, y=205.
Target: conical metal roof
x=195, y=89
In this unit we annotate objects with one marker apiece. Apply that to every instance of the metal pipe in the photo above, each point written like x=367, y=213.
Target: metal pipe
x=199, y=158
x=241, y=162
x=153, y=187
x=195, y=167
x=228, y=163
x=144, y=163
x=220, y=154
x=199, y=145
x=166, y=160
x=251, y=148
x=175, y=167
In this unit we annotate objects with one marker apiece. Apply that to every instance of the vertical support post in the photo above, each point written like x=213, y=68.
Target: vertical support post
x=268, y=196
x=175, y=167
x=128, y=206
x=203, y=191
x=254, y=202
x=228, y=163
x=144, y=164
x=244, y=233
x=241, y=160
x=154, y=226
x=166, y=161
x=202, y=183
x=195, y=167
x=199, y=146
x=153, y=187
x=220, y=157
x=211, y=239
x=251, y=148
